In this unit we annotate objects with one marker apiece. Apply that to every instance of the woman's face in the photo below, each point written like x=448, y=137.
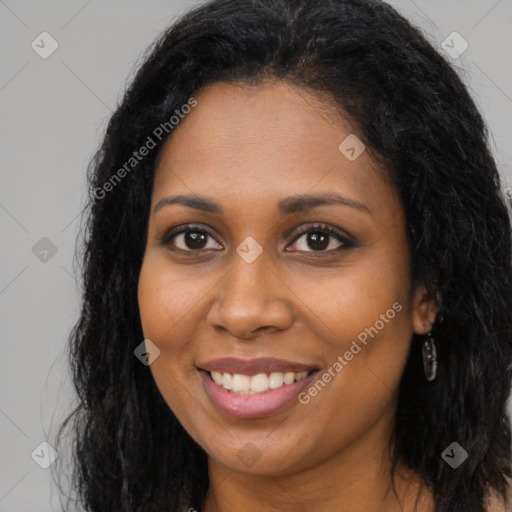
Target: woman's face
x=253, y=285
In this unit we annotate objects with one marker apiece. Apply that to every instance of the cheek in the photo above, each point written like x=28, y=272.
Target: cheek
x=166, y=301
x=171, y=306
x=166, y=305
x=365, y=301
x=364, y=366
x=363, y=312
x=366, y=340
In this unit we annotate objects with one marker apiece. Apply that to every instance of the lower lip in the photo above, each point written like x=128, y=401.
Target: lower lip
x=253, y=406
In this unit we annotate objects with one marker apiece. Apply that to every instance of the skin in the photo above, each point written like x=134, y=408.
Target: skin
x=247, y=147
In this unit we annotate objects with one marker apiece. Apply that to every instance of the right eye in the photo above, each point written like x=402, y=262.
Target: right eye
x=189, y=239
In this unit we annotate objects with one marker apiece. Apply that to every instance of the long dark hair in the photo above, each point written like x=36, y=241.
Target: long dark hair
x=416, y=117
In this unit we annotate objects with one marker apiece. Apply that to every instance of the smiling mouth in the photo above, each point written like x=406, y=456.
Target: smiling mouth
x=256, y=384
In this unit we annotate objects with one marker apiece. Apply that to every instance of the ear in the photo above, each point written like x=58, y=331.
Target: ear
x=424, y=310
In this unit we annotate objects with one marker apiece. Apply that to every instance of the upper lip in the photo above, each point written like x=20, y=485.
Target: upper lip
x=253, y=366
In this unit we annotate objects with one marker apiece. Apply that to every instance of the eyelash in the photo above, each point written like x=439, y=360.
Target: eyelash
x=346, y=242
x=323, y=229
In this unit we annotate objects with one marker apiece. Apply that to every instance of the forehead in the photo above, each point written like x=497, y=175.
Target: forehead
x=259, y=143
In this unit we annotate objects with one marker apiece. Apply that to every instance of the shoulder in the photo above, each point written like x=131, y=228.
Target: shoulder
x=496, y=504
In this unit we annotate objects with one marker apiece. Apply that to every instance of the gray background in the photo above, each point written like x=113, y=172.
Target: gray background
x=53, y=113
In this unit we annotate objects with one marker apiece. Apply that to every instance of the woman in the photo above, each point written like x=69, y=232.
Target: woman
x=297, y=275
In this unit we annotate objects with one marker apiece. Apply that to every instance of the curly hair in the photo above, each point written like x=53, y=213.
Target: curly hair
x=417, y=118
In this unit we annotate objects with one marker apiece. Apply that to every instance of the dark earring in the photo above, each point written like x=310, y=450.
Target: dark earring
x=430, y=358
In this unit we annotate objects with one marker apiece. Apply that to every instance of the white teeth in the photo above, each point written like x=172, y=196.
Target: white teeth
x=227, y=381
x=217, y=377
x=240, y=383
x=275, y=380
x=250, y=385
x=300, y=376
x=259, y=383
x=289, y=377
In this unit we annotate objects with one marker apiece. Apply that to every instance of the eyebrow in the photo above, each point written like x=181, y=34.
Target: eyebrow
x=288, y=205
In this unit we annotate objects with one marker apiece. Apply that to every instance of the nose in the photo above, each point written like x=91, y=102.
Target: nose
x=251, y=298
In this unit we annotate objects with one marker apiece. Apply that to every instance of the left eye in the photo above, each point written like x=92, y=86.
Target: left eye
x=318, y=239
